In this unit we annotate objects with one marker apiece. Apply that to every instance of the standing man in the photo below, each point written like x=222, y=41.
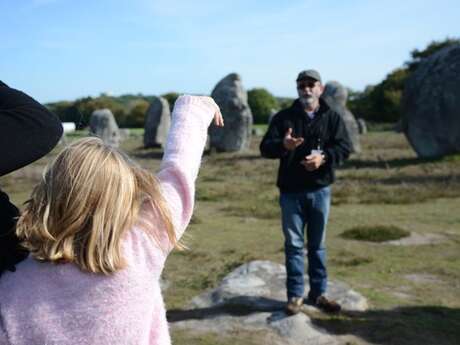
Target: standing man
x=310, y=139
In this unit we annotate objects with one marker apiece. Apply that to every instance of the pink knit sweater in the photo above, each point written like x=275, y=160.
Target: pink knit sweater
x=49, y=304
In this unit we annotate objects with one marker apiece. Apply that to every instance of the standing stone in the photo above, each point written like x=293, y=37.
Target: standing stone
x=103, y=125
x=431, y=105
x=336, y=95
x=362, y=127
x=157, y=123
x=273, y=112
x=232, y=99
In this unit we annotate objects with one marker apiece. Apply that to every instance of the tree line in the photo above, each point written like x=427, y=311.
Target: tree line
x=376, y=103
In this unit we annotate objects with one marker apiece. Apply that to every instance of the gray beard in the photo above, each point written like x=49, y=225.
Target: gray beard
x=307, y=101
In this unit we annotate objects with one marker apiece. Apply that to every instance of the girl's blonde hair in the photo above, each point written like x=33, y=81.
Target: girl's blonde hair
x=89, y=197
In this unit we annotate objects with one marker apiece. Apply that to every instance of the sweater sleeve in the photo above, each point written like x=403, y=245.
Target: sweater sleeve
x=181, y=161
x=28, y=130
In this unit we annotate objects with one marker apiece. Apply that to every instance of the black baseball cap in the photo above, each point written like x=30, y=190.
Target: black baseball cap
x=309, y=74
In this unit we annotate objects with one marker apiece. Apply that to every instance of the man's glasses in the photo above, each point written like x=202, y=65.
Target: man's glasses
x=302, y=85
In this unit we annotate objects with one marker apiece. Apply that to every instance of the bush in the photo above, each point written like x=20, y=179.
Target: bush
x=171, y=98
x=262, y=104
x=378, y=233
x=136, y=117
x=382, y=102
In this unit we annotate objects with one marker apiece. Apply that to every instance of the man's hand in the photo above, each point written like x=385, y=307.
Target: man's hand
x=290, y=143
x=312, y=162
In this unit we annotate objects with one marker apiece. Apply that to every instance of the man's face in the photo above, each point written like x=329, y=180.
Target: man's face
x=309, y=91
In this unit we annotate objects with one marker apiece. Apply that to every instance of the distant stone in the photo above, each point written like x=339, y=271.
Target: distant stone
x=423, y=278
x=258, y=132
x=232, y=99
x=273, y=112
x=398, y=126
x=252, y=297
x=431, y=105
x=124, y=133
x=157, y=123
x=103, y=125
x=362, y=127
x=416, y=239
x=336, y=95
x=164, y=285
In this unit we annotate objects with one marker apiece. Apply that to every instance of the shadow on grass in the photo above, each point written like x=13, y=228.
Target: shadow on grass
x=421, y=180
x=144, y=154
x=412, y=325
x=239, y=157
x=355, y=163
x=236, y=306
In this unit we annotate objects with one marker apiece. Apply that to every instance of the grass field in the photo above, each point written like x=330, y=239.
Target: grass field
x=413, y=291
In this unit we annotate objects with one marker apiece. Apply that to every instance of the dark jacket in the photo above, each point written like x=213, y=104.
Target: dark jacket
x=28, y=131
x=326, y=132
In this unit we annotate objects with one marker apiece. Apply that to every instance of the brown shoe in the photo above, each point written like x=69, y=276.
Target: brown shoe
x=327, y=305
x=294, y=305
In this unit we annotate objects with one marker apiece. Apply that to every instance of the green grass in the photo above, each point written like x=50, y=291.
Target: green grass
x=376, y=233
x=237, y=220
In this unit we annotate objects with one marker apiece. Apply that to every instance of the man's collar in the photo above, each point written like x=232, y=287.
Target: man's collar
x=323, y=107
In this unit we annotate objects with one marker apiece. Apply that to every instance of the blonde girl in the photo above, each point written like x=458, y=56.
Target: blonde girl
x=99, y=229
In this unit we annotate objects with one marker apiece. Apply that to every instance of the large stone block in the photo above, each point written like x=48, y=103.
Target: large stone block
x=157, y=123
x=336, y=95
x=431, y=105
x=232, y=99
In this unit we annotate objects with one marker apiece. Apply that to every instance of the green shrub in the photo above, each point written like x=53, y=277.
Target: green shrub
x=262, y=104
x=376, y=233
x=382, y=102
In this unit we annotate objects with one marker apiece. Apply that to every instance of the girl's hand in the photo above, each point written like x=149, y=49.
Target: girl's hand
x=218, y=118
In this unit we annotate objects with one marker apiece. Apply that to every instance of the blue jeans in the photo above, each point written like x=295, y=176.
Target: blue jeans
x=310, y=210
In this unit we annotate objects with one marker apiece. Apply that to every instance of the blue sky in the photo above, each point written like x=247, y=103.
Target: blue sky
x=65, y=49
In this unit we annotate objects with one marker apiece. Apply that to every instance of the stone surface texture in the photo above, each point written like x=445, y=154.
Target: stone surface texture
x=336, y=95
x=103, y=125
x=431, y=105
x=252, y=297
x=157, y=123
x=232, y=99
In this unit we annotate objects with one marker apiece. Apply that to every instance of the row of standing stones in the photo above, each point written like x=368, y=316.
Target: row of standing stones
x=232, y=99
x=431, y=103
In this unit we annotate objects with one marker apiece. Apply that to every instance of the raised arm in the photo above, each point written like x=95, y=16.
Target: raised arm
x=28, y=130
x=184, y=147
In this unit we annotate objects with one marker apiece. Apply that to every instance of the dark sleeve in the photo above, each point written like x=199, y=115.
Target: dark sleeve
x=10, y=251
x=28, y=130
x=271, y=145
x=338, y=148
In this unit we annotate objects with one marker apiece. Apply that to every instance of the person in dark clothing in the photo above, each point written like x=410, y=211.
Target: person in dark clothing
x=28, y=131
x=310, y=140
